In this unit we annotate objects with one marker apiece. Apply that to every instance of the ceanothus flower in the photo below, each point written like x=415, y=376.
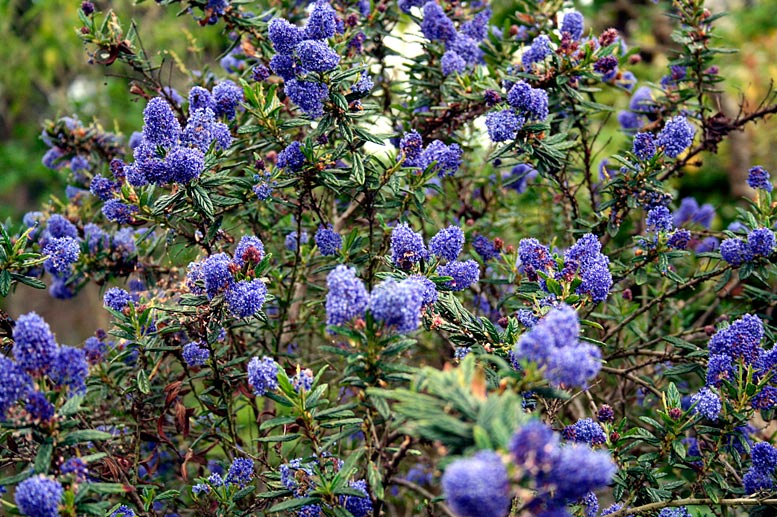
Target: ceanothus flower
x=200, y=99
x=39, y=408
x=407, y=247
x=676, y=136
x=70, y=369
x=411, y=147
x=263, y=375
x=118, y=212
x=758, y=178
x=447, y=243
x=397, y=304
x=357, y=506
x=553, y=343
x=328, y=241
x=245, y=298
x=240, y=472
x=291, y=157
x=436, y=26
x=446, y=158
x=293, y=241
x=317, y=56
x=15, y=384
x=216, y=274
x=347, y=297
x=250, y=250
x=760, y=242
x=202, y=130
x=464, y=274
x=644, y=146
x=103, y=188
x=452, y=62
x=364, y=85
x=34, y=345
x=283, y=35
x=585, y=430
x=62, y=252
x=428, y=289
x=679, y=239
x=194, y=354
x=182, y=165
x=740, y=340
x=572, y=23
x=39, y=496
x=706, y=403
x=227, y=96
x=160, y=125
x=308, y=95
x=764, y=456
x=659, y=219
x=116, y=298
x=503, y=125
x=322, y=23
x=735, y=252
x=477, y=486
x=302, y=380
x=537, y=52
x=756, y=480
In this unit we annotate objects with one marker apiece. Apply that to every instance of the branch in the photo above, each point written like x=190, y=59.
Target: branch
x=691, y=501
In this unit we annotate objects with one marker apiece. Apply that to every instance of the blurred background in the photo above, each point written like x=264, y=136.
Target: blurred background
x=47, y=75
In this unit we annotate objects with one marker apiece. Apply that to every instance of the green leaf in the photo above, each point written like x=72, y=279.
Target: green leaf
x=293, y=504
x=43, y=459
x=143, y=384
x=85, y=435
x=5, y=283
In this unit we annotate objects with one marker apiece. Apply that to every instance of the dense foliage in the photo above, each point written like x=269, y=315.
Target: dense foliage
x=388, y=261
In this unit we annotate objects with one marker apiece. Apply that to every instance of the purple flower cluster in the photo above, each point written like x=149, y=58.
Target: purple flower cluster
x=486, y=248
x=347, y=297
x=195, y=354
x=262, y=375
x=562, y=474
x=585, y=430
x=447, y=243
x=216, y=274
x=39, y=496
x=463, y=274
x=676, y=136
x=328, y=240
x=759, y=178
x=462, y=47
x=477, y=486
x=760, y=243
x=397, y=304
x=760, y=476
x=168, y=153
x=443, y=159
x=554, y=344
x=586, y=260
x=116, y=298
x=407, y=247
x=303, y=52
x=706, y=403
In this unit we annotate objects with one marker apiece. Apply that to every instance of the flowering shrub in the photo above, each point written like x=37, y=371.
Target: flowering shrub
x=482, y=323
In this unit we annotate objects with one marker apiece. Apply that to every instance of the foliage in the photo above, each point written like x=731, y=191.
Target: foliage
x=345, y=281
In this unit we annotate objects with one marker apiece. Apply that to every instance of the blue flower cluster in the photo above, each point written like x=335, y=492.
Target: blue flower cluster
x=217, y=274
x=760, y=476
x=736, y=251
x=347, y=297
x=462, y=47
x=302, y=53
x=759, y=178
x=478, y=486
x=739, y=346
x=526, y=103
x=584, y=260
x=706, y=403
x=263, y=375
x=554, y=344
x=585, y=430
x=443, y=159
x=328, y=240
x=166, y=152
x=301, y=478
x=560, y=474
x=195, y=354
x=39, y=496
